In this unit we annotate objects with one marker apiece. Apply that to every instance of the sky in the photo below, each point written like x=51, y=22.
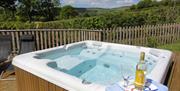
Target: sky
x=98, y=3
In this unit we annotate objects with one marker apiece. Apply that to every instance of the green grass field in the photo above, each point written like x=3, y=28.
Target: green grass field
x=172, y=47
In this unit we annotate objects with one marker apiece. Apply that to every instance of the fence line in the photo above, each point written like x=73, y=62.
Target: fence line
x=138, y=35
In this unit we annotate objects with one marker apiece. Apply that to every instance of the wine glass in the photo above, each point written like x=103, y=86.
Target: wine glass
x=127, y=73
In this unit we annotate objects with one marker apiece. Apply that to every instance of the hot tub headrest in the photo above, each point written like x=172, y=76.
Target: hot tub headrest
x=52, y=64
x=155, y=52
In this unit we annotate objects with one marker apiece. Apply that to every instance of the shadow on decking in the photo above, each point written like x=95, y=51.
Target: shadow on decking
x=172, y=79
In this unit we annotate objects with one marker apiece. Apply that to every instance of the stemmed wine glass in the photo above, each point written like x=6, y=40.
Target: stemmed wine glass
x=127, y=73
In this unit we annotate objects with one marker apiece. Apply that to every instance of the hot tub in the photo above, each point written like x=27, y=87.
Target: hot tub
x=92, y=65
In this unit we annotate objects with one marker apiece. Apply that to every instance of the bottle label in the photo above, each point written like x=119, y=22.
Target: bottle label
x=140, y=78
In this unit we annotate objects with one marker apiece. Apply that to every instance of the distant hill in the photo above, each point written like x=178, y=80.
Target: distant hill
x=99, y=11
x=121, y=8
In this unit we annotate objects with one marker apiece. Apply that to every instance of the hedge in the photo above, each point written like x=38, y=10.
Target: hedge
x=152, y=16
x=91, y=22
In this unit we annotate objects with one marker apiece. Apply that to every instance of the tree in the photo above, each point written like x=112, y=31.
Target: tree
x=45, y=8
x=48, y=7
x=68, y=12
x=144, y=4
x=85, y=14
x=26, y=8
x=133, y=7
x=9, y=5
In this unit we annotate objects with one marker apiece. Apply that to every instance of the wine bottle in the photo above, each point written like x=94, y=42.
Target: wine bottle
x=140, y=76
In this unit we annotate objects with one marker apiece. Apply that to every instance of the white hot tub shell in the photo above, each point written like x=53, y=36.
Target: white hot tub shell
x=38, y=67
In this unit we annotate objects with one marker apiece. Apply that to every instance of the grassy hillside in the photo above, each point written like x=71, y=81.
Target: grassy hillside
x=146, y=12
x=99, y=11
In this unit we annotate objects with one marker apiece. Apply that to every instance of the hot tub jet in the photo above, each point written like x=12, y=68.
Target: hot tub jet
x=84, y=81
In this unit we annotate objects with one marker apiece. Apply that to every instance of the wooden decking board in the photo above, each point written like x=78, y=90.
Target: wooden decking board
x=174, y=83
x=8, y=85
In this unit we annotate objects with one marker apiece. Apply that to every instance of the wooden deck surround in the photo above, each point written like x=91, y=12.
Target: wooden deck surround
x=42, y=85
x=29, y=82
x=174, y=81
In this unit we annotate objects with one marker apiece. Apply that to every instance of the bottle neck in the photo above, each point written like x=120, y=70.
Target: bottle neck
x=141, y=61
x=142, y=56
